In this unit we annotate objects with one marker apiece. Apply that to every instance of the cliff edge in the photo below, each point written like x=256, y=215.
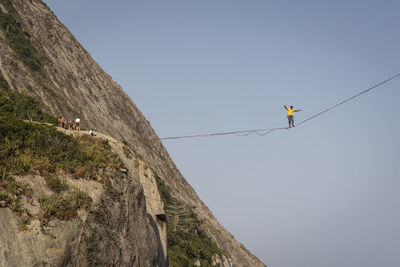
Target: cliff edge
x=39, y=57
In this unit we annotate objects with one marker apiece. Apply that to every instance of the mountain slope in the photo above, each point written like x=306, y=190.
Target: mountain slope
x=70, y=201
x=40, y=57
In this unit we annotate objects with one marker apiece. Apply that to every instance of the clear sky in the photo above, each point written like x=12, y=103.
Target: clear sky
x=324, y=194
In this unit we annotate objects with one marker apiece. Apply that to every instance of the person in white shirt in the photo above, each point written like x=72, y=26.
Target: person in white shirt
x=77, y=124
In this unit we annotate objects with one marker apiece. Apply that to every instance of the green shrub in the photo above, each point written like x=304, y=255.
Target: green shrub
x=3, y=83
x=127, y=151
x=11, y=192
x=96, y=154
x=24, y=107
x=187, y=241
x=55, y=183
x=63, y=207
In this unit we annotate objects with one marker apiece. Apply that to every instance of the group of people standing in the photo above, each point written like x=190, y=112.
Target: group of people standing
x=72, y=124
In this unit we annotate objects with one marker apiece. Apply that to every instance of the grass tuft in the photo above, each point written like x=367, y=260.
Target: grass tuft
x=63, y=207
x=11, y=192
x=55, y=183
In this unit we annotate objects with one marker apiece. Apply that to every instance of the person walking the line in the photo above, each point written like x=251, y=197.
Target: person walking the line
x=290, y=115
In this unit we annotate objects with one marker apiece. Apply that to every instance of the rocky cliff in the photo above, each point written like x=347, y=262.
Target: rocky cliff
x=56, y=218
x=40, y=57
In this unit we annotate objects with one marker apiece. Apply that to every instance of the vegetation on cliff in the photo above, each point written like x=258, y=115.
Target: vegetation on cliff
x=28, y=147
x=11, y=192
x=3, y=83
x=32, y=148
x=17, y=39
x=187, y=241
x=21, y=106
x=63, y=207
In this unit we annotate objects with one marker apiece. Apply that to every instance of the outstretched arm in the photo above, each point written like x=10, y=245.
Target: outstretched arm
x=285, y=107
x=297, y=110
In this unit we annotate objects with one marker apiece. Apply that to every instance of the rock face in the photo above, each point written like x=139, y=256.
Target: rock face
x=116, y=231
x=72, y=84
